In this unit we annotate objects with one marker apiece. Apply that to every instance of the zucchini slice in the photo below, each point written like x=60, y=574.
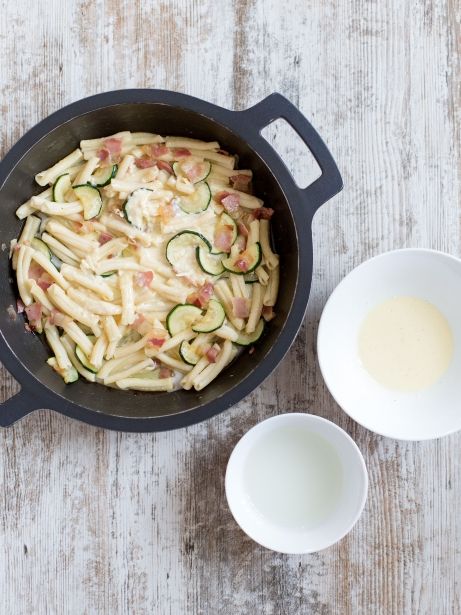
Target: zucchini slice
x=103, y=176
x=187, y=354
x=225, y=221
x=246, y=339
x=198, y=201
x=245, y=262
x=61, y=186
x=137, y=208
x=181, y=248
x=41, y=246
x=196, y=171
x=212, y=320
x=251, y=278
x=81, y=356
x=90, y=199
x=181, y=317
x=209, y=262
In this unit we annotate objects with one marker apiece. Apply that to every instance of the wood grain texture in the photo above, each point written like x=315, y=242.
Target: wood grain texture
x=93, y=522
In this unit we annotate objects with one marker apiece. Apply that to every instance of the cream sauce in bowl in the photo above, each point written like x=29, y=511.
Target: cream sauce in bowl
x=405, y=343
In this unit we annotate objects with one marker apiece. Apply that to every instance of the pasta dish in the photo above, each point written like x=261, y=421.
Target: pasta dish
x=146, y=261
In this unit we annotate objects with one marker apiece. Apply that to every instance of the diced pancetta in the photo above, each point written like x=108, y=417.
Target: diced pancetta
x=164, y=166
x=240, y=182
x=104, y=238
x=240, y=307
x=223, y=237
x=263, y=213
x=144, y=278
x=145, y=162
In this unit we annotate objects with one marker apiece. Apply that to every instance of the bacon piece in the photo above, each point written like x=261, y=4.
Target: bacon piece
x=223, y=237
x=231, y=203
x=104, y=238
x=165, y=372
x=206, y=292
x=193, y=299
x=263, y=213
x=181, y=152
x=240, y=307
x=268, y=313
x=201, y=297
x=144, y=278
x=34, y=314
x=44, y=284
x=219, y=196
x=240, y=182
x=37, y=273
x=159, y=150
x=242, y=264
x=103, y=154
x=19, y=306
x=145, y=163
x=110, y=151
x=242, y=229
x=223, y=152
x=158, y=337
x=113, y=145
x=164, y=166
x=212, y=353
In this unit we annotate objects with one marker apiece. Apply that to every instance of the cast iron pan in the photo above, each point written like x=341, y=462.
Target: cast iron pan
x=168, y=113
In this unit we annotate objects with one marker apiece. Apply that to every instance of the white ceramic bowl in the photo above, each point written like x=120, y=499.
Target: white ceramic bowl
x=350, y=496
x=421, y=415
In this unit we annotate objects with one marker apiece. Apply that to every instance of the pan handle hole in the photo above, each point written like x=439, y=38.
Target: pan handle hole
x=293, y=151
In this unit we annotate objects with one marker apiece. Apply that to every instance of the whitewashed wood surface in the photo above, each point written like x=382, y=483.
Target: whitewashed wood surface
x=93, y=522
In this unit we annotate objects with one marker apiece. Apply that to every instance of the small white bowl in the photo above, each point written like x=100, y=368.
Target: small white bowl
x=350, y=489
x=421, y=415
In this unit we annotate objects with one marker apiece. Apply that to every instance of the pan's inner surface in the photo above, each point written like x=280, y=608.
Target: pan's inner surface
x=162, y=119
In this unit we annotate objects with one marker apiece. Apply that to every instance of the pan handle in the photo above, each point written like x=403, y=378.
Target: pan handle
x=17, y=406
x=277, y=106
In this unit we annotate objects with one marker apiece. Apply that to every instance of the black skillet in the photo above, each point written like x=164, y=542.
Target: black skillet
x=24, y=354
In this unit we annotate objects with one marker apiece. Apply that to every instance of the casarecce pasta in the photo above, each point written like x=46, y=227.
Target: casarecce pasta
x=146, y=262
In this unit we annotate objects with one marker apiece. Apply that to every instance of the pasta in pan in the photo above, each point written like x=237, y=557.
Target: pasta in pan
x=146, y=262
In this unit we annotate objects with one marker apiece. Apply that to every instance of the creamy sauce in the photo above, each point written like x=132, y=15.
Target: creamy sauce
x=405, y=343
x=293, y=478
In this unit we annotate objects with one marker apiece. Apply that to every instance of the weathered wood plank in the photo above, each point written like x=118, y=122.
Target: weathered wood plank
x=97, y=522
